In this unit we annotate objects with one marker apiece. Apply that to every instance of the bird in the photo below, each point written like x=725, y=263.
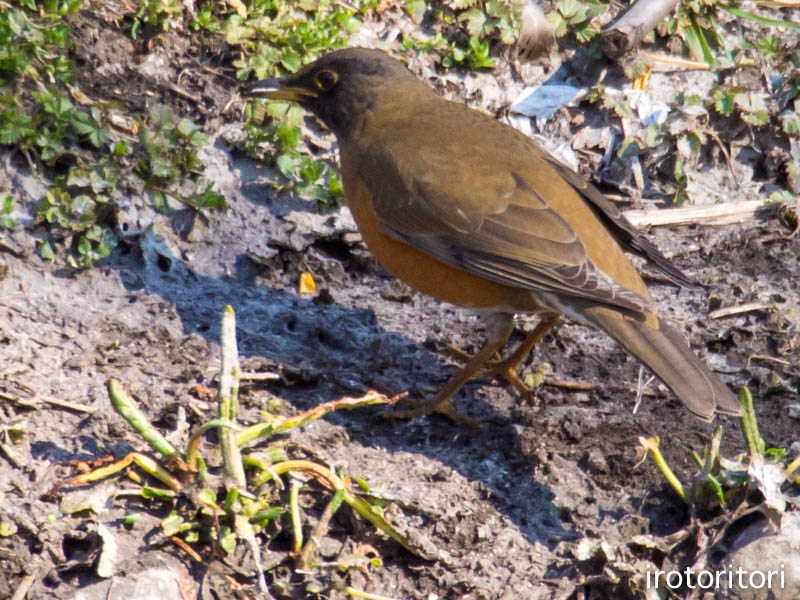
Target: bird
x=470, y=211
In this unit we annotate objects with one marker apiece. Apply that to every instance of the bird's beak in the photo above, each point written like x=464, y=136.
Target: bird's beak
x=275, y=89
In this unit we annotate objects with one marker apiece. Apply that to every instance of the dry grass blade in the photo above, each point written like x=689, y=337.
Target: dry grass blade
x=283, y=424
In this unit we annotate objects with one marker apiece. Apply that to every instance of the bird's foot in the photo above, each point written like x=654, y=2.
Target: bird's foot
x=505, y=368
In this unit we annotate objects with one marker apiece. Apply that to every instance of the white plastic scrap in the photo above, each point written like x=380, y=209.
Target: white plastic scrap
x=651, y=112
x=542, y=102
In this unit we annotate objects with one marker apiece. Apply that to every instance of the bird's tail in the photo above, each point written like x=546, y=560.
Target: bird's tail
x=665, y=352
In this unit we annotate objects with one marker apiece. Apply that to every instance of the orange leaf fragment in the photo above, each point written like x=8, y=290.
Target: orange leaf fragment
x=307, y=285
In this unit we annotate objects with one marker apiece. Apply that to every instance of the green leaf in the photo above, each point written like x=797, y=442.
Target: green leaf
x=290, y=59
x=266, y=515
x=99, y=136
x=186, y=128
x=689, y=144
x=120, y=148
x=151, y=492
x=198, y=139
x=596, y=9
x=693, y=100
x=285, y=164
x=104, y=239
x=499, y=10
x=335, y=185
x=207, y=497
x=781, y=196
x=310, y=170
x=82, y=127
x=475, y=19
x=791, y=123
x=777, y=454
x=162, y=116
x=207, y=199
x=172, y=524
x=46, y=251
x=696, y=40
x=98, y=180
x=738, y=12
x=84, y=246
x=757, y=118
x=724, y=100
x=750, y=101
x=570, y=9
x=78, y=177
x=717, y=487
x=278, y=108
x=584, y=33
x=288, y=137
x=227, y=539
x=7, y=528
x=479, y=54
x=770, y=46
x=415, y=9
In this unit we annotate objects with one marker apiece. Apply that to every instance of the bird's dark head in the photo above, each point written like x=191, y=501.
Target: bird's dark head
x=339, y=87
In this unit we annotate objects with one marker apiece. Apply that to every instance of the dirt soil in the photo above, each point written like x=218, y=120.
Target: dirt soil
x=501, y=510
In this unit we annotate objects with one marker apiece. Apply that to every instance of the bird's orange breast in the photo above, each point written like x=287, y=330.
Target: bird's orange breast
x=425, y=273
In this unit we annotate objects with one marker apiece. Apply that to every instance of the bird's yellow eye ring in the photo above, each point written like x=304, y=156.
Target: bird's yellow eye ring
x=325, y=79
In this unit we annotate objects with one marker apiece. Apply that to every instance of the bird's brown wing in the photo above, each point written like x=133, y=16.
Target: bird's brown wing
x=492, y=221
x=626, y=234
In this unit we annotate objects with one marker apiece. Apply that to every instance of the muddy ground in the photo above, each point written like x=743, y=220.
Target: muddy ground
x=501, y=510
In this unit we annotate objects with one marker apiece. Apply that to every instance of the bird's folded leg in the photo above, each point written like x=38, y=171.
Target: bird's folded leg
x=507, y=367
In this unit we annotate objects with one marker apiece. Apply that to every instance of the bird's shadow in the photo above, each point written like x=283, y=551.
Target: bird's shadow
x=341, y=350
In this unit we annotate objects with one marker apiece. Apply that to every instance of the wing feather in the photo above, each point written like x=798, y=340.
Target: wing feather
x=513, y=238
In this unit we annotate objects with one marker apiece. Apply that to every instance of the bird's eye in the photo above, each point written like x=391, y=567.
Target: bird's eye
x=325, y=80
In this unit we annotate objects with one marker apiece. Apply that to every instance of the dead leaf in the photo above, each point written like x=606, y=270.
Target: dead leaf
x=307, y=285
